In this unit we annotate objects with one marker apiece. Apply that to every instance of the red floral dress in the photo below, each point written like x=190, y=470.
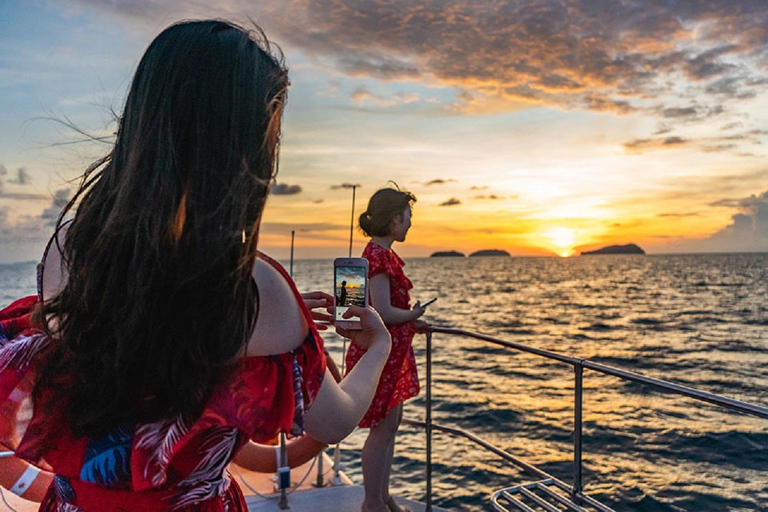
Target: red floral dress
x=168, y=465
x=399, y=380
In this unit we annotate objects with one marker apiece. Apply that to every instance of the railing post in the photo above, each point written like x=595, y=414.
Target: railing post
x=320, y=482
x=428, y=422
x=578, y=370
x=283, y=474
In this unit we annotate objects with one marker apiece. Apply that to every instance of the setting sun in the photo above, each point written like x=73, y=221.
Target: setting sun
x=562, y=238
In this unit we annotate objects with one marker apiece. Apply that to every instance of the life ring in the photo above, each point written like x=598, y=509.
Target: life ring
x=24, y=479
x=262, y=458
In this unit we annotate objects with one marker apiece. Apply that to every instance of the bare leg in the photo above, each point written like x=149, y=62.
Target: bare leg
x=377, y=461
x=388, y=499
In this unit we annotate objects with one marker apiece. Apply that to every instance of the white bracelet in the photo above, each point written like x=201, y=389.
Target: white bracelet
x=25, y=480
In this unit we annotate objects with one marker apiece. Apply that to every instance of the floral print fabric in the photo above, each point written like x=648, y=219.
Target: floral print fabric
x=167, y=465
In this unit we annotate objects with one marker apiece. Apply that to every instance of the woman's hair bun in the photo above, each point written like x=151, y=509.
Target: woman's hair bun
x=365, y=222
x=383, y=207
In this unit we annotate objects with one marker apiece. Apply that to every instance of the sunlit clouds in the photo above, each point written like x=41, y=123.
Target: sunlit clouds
x=538, y=127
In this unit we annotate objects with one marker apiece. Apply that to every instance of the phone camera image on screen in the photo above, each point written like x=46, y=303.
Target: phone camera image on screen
x=350, y=290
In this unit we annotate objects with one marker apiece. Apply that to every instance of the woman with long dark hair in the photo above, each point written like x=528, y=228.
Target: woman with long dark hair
x=165, y=340
x=387, y=220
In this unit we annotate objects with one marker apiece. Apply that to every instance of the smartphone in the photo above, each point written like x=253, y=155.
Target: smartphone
x=350, y=287
x=430, y=301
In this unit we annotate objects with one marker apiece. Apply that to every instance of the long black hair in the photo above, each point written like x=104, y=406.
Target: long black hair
x=160, y=298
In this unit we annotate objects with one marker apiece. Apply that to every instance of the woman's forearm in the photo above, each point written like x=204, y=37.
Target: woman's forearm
x=338, y=408
x=394, y=316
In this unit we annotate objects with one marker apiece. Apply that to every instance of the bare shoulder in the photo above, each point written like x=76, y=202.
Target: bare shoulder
x=55, y=273
x=280, y=325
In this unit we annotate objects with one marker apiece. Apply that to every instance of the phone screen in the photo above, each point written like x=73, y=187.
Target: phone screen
x=350, y=290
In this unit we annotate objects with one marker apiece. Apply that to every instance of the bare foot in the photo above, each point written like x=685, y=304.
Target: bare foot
x=378, y=506
x=394, y=507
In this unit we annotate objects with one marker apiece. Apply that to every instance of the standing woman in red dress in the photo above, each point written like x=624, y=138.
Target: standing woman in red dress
x=387, y=220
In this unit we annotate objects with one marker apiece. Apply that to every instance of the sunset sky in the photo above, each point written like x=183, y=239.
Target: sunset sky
x=537, y=127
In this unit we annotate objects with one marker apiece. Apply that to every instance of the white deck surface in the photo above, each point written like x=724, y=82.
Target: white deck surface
x=345, y=498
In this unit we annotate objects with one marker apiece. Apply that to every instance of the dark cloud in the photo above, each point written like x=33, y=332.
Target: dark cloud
x=753, y=136
x=726, y=203
x=717, y=148
x=705, y=65
x=345, y=185
x=439, y=182
x=23, y=196
x=731, y=126
x=739, y=87
x=717, y=144
x=475, y=187
x=283, y=189
x=491, y=196
x=23, y=237
x=378, y=67
x=680, y=112
x=601, y=55
x=450, y=202
x=641, y=145
x=60, y=200
x=691, y=214
x=22, y=177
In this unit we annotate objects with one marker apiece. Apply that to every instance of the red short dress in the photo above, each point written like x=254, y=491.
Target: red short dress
x=167, y=465
x=399, y=380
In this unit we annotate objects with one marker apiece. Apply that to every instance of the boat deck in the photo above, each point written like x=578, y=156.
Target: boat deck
x=344, y=498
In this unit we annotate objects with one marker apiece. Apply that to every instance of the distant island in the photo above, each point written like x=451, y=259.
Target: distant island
x=616, y=249
x=489, y=252
x=447, y=254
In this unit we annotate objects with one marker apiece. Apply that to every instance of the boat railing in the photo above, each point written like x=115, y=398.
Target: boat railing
x=575, y=490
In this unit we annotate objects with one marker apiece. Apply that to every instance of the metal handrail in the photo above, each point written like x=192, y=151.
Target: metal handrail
x=578, y=367
x=728, y=403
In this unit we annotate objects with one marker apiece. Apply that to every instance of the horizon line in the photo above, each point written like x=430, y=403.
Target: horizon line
x=554, y=256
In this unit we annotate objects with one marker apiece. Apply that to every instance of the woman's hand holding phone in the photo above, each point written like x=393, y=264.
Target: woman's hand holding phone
x=315, y=300
x=372, y=333
x=418, y=309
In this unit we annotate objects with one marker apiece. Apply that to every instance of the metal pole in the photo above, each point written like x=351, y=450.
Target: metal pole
x=428, y=428
x=352, y=222
x=320, y=481
x=283, y=503
x=293, y=237
x=578, y=395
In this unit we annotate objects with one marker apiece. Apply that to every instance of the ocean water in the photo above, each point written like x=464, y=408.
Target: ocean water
x=698, y=320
